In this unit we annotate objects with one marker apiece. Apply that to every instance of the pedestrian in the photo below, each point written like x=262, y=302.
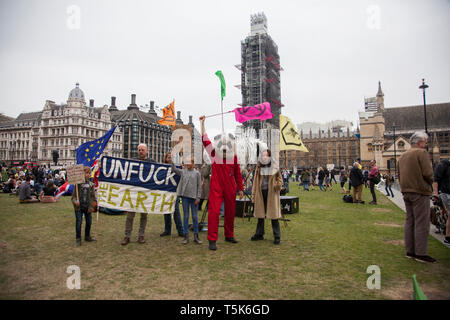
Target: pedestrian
x=176, y=213
x=388, y=182
x=321, y=177
x=84, y=203
x=373, y=180
x=365, y=173
x=333, y=173
x=357, y=181
x=441, y=186
x=343, y=179
x=415, y=174
x=266, y=197
x=143, y=156
x=190, y=190
x=313, y=178
x=305, y=179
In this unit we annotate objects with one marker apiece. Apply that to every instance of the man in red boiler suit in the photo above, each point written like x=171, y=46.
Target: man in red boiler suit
x=226, y=179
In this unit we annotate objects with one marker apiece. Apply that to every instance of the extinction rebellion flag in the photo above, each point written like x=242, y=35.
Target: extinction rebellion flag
x=137, y=186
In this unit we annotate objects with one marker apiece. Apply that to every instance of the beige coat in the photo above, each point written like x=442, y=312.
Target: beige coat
x=273, y=196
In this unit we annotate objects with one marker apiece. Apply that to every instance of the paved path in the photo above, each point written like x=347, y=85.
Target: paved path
x=398, y=200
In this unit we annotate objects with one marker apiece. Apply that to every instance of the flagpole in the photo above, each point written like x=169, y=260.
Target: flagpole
x=218, y=114
x=221, y=108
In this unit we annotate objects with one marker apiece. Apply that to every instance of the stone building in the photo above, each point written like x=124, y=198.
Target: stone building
x=60, y=128
x=379, y=127
x=334, y=143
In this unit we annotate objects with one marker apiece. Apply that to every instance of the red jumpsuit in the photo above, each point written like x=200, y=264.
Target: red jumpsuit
x=226, y=179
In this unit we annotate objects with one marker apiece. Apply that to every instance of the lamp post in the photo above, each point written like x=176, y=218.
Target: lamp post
x=395, y=152
x=423, y=87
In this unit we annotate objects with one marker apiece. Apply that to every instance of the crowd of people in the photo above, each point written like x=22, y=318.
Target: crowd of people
x=31, y=184
x=263, y=187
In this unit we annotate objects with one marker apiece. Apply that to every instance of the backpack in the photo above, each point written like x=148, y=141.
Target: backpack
x=348, y=198
x=84, y=196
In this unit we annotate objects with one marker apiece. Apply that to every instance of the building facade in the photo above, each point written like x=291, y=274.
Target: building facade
x=260, y=72
x=385, y=132
x=36, y=136
x=337, y=146
x=62, y=128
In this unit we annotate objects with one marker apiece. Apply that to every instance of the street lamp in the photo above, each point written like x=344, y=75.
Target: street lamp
x=423, y=87
x=395, y=152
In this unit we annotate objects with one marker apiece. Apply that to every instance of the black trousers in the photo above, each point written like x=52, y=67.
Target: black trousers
x=275, y=222
x=372, y=191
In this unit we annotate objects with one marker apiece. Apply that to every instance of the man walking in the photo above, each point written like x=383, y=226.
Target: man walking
x=373, y=178
x=143, y=156
x=416, y=177
x=441, y=186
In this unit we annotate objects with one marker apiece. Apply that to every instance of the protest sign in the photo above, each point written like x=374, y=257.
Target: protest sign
x=137, y=186
x=75, y=174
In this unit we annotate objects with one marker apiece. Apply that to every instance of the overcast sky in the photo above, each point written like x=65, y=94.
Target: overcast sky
x=333, y=53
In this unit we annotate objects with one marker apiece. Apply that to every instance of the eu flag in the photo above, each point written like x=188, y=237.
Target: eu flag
x=90, y=151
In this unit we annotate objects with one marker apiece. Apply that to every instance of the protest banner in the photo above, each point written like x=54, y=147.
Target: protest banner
x=137, y=186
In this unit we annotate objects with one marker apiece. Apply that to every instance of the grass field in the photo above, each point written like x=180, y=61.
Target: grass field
x=324, y=254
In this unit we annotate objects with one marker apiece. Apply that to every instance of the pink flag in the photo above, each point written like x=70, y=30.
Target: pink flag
x=257, y=112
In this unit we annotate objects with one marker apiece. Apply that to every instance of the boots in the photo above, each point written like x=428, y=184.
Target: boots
x=197, y=239
x=212, y=245
x=186, y=238
x=125, y=241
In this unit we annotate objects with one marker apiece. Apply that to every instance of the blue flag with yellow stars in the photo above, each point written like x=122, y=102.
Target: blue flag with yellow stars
x=90, y=151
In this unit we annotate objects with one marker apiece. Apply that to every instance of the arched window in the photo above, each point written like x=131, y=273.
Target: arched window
x=401, y=145
x=369, y=147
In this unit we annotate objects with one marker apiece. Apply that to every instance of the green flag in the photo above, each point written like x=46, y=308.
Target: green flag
x=418, y=293
x=222, y=83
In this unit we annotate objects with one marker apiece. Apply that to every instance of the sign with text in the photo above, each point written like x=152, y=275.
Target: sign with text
x=137, y=186
x=75, y=174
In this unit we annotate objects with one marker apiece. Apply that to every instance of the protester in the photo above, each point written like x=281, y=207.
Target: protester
x=25, y=192
x=415, y=174
x=205, y=172
x=190, y=190
x=441, y=185
x=176, y=213
x=373, y=176
x=226, y=179
x=266, y=197
x=83, y=202
x=143, y=156
x=388, y=182
x=356, y=180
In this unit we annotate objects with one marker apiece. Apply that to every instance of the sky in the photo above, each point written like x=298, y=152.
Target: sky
x=333, y=54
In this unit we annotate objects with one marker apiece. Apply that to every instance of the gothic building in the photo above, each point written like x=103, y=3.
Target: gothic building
x=385, y=132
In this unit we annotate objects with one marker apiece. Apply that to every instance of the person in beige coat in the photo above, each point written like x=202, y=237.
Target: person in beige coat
x=266, y=197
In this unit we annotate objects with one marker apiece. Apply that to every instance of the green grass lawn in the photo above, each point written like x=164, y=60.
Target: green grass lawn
x=324, y=254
